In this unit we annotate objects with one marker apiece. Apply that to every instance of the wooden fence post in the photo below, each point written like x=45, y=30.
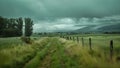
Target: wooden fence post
x=90, y=44
x=82, y=41
x=67, y=38
x=111, y=49
x=77, y=39
x=73, y=38
x=60, y=36
x=70, y=38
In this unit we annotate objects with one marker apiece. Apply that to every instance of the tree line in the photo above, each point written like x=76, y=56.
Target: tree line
x=13, y=27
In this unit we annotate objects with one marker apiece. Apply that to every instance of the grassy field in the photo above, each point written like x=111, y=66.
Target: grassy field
x=101, y=40
x=55, y=52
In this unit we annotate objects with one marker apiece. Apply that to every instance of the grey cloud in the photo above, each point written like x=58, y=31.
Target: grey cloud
x=59, y=8
x=63, y=14
x=62, y=24
x=69, y=24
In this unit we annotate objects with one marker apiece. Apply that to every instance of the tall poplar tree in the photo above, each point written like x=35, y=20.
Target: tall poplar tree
x=28, y=27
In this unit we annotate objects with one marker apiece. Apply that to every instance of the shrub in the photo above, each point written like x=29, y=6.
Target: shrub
x=26, y=40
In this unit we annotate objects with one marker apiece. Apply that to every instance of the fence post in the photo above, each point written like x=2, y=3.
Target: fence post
x=90, y=44
x=67, y=37
x=73, y=38
x=77, y=39
x=70, y=38
x=60, y=36
x=82, y=42
x=64, y=37
x=111, y=49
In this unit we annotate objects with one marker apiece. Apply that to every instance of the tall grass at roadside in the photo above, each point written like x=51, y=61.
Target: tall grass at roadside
x=87, y=58
x=34, y=63
x=17, y=55
x=62, y=53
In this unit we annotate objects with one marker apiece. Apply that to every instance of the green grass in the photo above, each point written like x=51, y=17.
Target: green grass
x=18, y=55
x=54, y=52
x=34, y=63
x=91, y=59
x=9, y=42
x=101, y=41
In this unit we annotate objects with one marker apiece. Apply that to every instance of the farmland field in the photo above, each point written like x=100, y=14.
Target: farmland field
x=56, y=52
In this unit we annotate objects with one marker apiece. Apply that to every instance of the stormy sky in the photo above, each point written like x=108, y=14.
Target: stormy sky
x=63, y=15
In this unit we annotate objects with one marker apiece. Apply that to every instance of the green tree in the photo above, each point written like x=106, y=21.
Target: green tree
x=19, y=26
x=28, y=26
x=2, y=25
x=10, y=27
x=10, y=30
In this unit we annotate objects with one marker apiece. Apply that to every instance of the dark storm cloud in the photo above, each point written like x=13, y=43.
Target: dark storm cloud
x=59, y=14
x=59, y=8
x=67, y=24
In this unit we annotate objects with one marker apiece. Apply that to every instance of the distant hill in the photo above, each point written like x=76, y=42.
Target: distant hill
x=110, y=28
x=95, y=28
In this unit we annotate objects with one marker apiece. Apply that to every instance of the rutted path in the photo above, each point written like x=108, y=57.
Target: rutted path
x=53, y=55
x=54, y=52
x=39, y=56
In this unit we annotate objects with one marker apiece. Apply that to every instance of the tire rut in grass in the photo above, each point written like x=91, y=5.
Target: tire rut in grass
x=53, y=56
x=45, y=63
x=39, y=56
x=57, y=57
x=67, y=61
